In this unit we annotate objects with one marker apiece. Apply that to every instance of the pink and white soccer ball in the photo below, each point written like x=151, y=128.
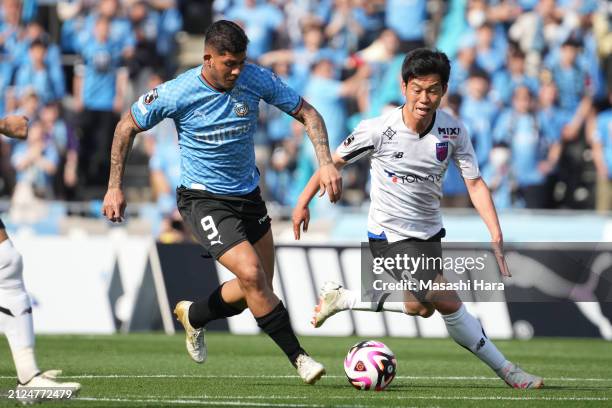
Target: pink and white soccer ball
x=370, y=365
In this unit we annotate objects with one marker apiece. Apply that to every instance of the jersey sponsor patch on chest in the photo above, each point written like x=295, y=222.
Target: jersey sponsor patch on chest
x=441, y=151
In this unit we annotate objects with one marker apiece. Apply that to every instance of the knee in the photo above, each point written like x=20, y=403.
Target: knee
x=251, y=277
x=427, y=311
x=419, y=309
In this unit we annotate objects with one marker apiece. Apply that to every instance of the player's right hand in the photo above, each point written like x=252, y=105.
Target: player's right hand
x=300, y=215
x=114, y=205
x=330, y=182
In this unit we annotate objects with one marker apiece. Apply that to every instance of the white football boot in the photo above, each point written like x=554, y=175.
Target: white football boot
x=516, y=377
x=309, y=369
x=46, y=383
x=194, y=338
x=331, y=301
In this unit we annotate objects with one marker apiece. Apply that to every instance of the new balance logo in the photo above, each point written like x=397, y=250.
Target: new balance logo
x=398, y=155
x=216, y=241
x=264, y=219
x=481, y=344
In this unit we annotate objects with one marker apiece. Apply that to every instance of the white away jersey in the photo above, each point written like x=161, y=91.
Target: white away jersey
x=407, y=170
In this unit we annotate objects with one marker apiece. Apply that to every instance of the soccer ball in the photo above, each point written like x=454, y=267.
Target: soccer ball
x=370, y=365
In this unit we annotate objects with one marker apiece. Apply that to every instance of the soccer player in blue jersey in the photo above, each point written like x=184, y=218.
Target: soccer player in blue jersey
x=215, y=107
x=15, y=306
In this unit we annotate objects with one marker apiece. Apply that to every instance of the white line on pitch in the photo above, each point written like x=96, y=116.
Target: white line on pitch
x=388, y=396
x=401, y=377
x=225, y=402
x=230, y=400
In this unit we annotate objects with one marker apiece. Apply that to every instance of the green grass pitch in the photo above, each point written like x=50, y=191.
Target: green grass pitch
x=141, y=370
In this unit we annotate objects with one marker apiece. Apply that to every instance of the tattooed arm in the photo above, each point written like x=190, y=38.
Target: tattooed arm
x=114, y=200
x=330, y=179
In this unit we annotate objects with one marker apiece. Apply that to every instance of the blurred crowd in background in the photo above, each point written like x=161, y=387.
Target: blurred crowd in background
x=531, y=80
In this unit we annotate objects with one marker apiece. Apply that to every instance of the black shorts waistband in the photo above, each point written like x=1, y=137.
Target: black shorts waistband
x=252, y=196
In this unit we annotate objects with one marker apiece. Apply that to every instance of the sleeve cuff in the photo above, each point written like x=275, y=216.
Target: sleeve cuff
x=136, y=121
x=298, y=107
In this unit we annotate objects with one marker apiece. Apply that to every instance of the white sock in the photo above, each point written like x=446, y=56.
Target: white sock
x=467, y=332
x=16, y=313
x=354, y=302
x=25, y=363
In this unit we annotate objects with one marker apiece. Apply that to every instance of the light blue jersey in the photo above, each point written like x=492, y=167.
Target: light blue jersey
x=216, y=128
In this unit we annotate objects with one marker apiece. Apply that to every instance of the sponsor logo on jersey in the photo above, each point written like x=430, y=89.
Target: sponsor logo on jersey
x=348, y=140
x=441, y=151
x=150, y=96
x=398, y=155
x=412, y=178
x=221, y=133
x=241, y=109
x=389, y=133
x=449, y=132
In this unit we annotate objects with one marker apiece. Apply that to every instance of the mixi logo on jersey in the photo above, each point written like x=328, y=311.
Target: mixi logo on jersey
x=449, y=133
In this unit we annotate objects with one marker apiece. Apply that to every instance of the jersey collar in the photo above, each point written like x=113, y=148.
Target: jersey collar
x=208, y=84
x=431, y=125
x=426, y=131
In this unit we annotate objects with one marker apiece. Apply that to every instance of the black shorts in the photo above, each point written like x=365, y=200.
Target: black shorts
x=220, y=222
x=415, y=248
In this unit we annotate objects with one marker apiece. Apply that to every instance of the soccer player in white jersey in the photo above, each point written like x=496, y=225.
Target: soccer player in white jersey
x=215, y=109
x=15, y=306
x=410, y=148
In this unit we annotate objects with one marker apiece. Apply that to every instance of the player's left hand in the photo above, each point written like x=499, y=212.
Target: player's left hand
x=330, y=182
x=498, y=250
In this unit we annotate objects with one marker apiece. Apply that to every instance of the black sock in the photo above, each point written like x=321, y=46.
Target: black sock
x=204, y=311
x=277, y=325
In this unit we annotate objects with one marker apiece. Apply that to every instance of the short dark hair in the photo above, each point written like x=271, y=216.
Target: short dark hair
x=477, y=72
x=226, y=36
x=425, y=61
x=39, y=42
